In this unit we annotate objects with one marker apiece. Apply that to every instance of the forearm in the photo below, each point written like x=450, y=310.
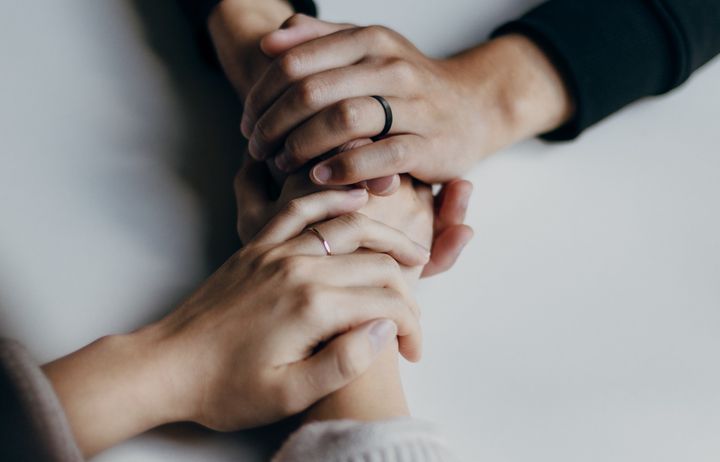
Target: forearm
x=114, y=389
x=236, y=27
x=510, y=80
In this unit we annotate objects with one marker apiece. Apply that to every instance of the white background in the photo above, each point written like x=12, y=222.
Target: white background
x=582, y=323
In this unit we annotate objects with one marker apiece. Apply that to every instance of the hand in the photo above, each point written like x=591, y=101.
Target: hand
x=236, y=28
x=256, y=206
x=448, y=113
x=277, y=327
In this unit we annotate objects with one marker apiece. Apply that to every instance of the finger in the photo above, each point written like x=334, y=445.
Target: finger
x=453, y=203
x=344, y=121
x=342, y=360
x=333, y=51
x=367, y=269
x=447, y=247
x=300, y=213
x=298, y=29
x=334, y=310
x=350, y=232
x=252, y=197
x=309, y=95
x=396, y=154
x=384, y=186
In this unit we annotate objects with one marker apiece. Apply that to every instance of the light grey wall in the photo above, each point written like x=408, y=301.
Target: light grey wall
x=580, y=324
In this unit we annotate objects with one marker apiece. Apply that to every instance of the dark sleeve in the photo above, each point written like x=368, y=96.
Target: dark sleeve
x=33, y=425
x=614, y=52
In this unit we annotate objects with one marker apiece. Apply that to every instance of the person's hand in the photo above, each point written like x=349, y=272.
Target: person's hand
x=256, y=206
x=280, y=325
x=250, y=331
x=447, y=113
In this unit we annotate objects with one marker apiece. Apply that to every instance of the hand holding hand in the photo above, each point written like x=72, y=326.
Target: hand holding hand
x=256, y=206
x=280, y=325
x=448, y=113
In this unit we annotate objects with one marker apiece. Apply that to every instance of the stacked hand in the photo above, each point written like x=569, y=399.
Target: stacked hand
x=279, y=326
x=300, y=32
x=316, y=96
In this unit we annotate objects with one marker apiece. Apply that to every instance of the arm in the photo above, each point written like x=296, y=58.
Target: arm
x=242, y=350
x=369, y=417
x=235, y=28
x=611, y=53
x=557, y=70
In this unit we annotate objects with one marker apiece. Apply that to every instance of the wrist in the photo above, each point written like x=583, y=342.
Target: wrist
x=376, y=395
x=113, y=389
x=521, y=90
x=236, y=27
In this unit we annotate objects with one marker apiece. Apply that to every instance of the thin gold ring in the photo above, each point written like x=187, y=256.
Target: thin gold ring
x=325, y=243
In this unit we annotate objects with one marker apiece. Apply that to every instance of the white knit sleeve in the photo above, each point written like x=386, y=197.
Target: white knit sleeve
x=397, y=440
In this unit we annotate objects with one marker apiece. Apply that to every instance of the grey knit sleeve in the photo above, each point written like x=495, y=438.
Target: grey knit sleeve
x=33, y=425
x=397, y=440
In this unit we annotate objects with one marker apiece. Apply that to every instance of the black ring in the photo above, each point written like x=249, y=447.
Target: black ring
x=388, y=117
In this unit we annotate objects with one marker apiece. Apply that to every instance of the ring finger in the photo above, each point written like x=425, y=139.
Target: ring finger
x=350, y=232
x=350, y=119
x=305, y=98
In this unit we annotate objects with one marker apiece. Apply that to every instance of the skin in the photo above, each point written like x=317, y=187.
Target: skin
x=378, y=394
x=122, y=385
x=313, y=98
x=448, y=113
x=244, y=349
x=237, y=28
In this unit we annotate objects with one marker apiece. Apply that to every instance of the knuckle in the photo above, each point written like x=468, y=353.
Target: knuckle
x=403, y=71
x=309, y=301
x=381, y=37
x=295, y=147
x=309, y=92
x=292, y=267
x=294, y=20
x=396, y=153
x=265, y=259
x=349, y=166
x=354, y=221
x=290, y=65
x=295, y=208
x=346, y=117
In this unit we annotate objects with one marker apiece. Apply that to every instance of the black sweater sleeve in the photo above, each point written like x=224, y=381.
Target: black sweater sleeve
x=613, y=52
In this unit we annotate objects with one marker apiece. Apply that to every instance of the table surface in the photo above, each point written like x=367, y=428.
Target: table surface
x=580, y=324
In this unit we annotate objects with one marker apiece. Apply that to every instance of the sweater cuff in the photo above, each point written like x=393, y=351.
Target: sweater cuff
x=609, y=52
x=397, y=440
x=33, y=425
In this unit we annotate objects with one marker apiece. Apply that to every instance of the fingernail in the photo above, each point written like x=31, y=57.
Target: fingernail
x=358, y=192
x=282, y=161
x=322, y=173
x=381, y=332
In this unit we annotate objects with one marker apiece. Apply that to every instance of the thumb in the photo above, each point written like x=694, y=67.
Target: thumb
x=345, y=358
x=298, y=29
